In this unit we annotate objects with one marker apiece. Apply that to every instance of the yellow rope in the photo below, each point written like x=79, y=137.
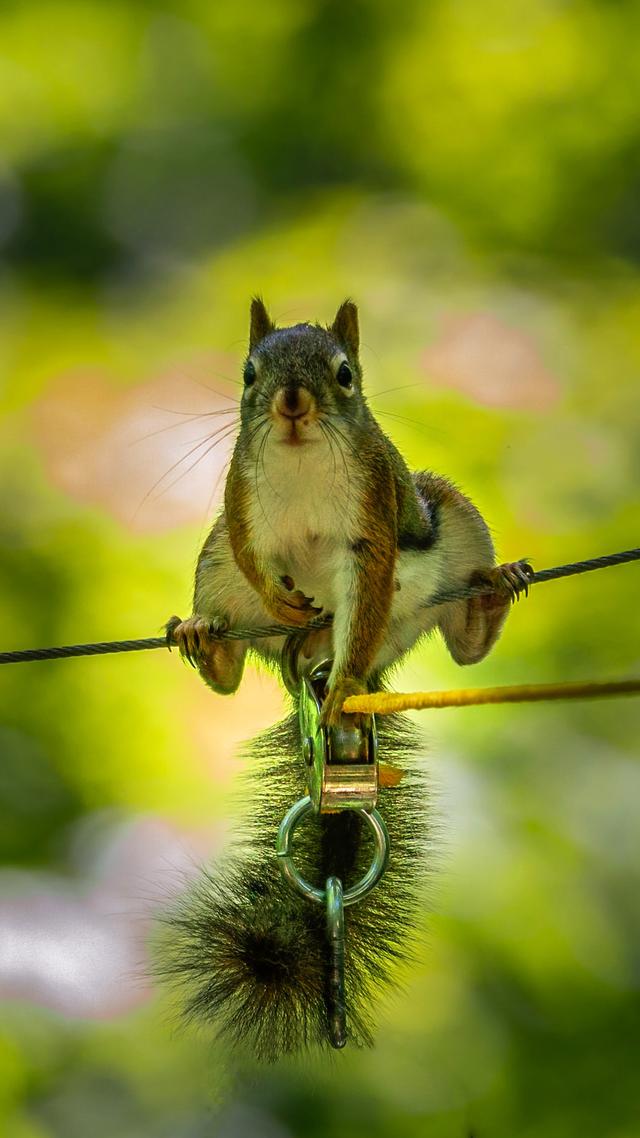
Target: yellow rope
x=384, y=703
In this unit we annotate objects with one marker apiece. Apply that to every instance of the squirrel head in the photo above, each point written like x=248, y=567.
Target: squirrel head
x=298, y=379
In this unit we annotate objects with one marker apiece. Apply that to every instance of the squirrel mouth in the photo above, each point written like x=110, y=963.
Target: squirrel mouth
x=293, y=430
x=294, y=438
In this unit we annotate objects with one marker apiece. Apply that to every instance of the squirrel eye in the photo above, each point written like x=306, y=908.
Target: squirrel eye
x=249, y=374
x=344, y=375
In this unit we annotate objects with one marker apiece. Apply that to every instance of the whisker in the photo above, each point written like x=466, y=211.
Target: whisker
x=344, y=438
x=229, y=378
x=216, y=437
x=223, y=472
x=327, y=436
x=341, y=505
x=188, y=414
x=390, y=390
x=260, y=461
x=333, y=433
x=239, y=343
x=252, y=434
x=199, y=458
x=226, y=378
x=261, y=451
x=173, y=426
x=203, y=438
x=421, y=428
x=180, y=373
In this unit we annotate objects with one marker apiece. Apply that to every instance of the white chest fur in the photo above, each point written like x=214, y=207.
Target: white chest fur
x=304, y=515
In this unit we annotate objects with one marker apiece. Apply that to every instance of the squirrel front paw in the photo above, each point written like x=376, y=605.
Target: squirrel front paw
x=507, y=582
x=194, y=637
x=219, y=662
x=339, y=690
x=290, y=606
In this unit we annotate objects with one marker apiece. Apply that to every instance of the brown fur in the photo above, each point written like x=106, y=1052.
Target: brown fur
x=261, y=324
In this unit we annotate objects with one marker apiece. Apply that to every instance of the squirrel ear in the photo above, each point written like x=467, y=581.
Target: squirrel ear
x=345, y=327
x=261, y=323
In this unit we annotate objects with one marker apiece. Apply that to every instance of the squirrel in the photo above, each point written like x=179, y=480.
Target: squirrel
x=322, y=517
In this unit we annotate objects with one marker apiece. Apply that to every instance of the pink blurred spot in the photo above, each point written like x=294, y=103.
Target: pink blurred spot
x=219, y=726
x=493, y=363
x=79, y=947
x=145, y=454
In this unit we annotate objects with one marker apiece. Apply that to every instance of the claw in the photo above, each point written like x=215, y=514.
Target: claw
x=517, y=576
x=524, y=576
x=170, y=628
x=217, y=627
x=192, y=636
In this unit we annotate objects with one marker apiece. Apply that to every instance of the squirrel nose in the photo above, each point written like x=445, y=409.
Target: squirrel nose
x=293, y=402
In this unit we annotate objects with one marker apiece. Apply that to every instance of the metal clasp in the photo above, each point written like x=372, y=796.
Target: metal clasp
x=336, y=1006
x=342, y=766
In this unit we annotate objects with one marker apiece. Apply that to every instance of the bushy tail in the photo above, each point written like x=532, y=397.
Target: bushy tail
x=249, y=955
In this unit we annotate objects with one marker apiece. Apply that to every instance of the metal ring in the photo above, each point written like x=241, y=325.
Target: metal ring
x=311, y=892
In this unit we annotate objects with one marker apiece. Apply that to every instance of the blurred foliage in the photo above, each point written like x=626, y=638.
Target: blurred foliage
x=470, y=174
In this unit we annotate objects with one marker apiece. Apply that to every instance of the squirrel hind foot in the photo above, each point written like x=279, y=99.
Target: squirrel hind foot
x=508, y=581
x=332, y=714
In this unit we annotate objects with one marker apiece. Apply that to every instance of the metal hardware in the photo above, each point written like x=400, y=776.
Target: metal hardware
x=342, y=774
x=311, y=892
x=343, y=771
x=290, y=661
x=336, y=1009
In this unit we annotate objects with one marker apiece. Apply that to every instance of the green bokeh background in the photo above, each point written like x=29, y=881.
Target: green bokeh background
x=470, y=174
